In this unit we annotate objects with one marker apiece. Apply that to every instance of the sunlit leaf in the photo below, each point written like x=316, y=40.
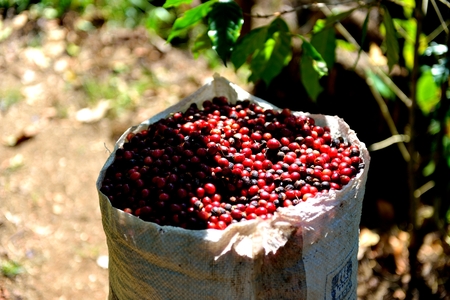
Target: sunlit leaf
x=428, y=93
x=392, y=47
x=175, y=3
x=190, y=18
x=408, y=8
x=247, y=45
x=384, y=90
x=345, y=45
x=429, y=169
x=319, y=25
x=225, y=21
x=317, y=61
x=408, y=27
x=276, y=53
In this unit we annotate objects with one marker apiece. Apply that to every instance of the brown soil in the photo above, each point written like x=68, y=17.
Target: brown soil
x=50, y=157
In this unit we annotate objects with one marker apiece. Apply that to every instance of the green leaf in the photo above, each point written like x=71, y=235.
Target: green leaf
x=392, y=47
x=363, y=37
x=319, y=26
x=247, y=45
x=324, y=42
x=409, y=27
x=142, y=4
x=158, y=19
x=190, y=18
x=310, y=77
x=338, y=17
x=428, y=94
x=202, y=42
x=434, y=127
x=429, y=169
x=344, y=45
x=317, y=61
x=318, y=56
x=225, y=21
x=384, y=90
x=268, y=61
x=408, y=8
x=176, y=3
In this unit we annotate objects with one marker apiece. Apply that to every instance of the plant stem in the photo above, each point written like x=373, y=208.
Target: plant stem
x=415, y=237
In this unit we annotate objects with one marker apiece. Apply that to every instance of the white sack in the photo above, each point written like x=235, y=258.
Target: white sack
x=308, y=251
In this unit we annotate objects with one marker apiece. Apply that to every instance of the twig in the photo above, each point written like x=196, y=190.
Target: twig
x=445, y=2
x=444, y=26
x=106, y=147
x=424, y=188
x=387, y=117
x=275, y=14
x=399, y=138
x=436, y=32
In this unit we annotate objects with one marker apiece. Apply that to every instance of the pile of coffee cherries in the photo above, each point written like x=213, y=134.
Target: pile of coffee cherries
x=209, y=167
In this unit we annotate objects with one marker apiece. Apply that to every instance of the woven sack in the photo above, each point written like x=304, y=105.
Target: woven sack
x=308, y=251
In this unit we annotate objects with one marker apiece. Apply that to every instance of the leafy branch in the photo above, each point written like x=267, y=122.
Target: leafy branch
x=267, y=50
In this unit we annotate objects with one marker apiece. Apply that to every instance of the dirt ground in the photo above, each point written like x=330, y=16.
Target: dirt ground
x=55, y=138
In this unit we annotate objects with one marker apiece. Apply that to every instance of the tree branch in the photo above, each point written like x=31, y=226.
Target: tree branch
x=275, y=14
x=304, y=4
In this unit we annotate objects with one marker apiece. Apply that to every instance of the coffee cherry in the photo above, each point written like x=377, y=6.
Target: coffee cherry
x=209, y=188
x=273, y=144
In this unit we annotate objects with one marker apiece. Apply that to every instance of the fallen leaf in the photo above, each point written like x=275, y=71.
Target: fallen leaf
x=367, y=239
x=399, y=246
x=92, y=115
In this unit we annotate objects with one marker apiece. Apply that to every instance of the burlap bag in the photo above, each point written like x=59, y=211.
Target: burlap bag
x=304, y=252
